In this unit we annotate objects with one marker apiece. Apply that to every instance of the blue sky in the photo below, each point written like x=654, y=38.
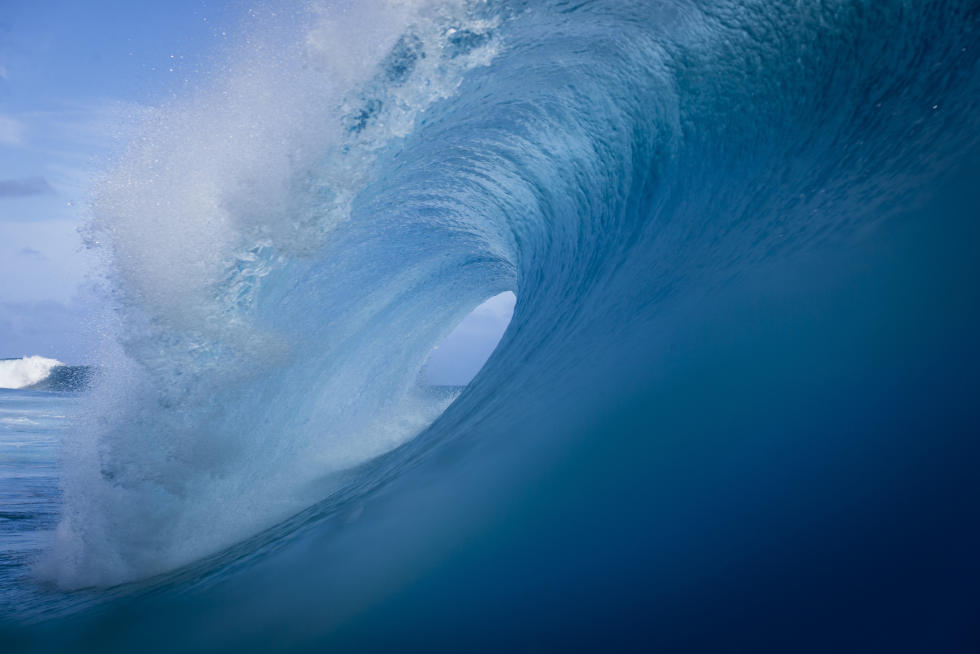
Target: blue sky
x=74, y=77
x=458, y=358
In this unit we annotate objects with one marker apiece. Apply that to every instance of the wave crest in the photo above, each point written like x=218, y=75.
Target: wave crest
x=26, y=371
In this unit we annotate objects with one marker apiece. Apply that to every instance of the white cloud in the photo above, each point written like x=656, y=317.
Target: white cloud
x=72, y=144
x=11, y=131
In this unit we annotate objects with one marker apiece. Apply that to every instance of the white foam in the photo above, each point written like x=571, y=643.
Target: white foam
x=20, y=373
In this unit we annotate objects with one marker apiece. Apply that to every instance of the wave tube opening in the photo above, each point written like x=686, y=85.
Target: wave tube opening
x=462, y=354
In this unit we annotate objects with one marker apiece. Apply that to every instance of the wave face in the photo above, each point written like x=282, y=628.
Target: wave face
x=733, y=404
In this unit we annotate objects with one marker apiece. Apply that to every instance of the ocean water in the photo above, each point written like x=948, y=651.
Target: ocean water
x=31, y=425
x=735, y=409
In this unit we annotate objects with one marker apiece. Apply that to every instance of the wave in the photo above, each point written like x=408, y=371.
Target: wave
x=43, y=374
x=26, y=371
x=698, y=207
x=225, y=223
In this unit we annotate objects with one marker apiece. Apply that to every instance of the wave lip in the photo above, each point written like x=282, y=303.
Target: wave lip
x=26, y=371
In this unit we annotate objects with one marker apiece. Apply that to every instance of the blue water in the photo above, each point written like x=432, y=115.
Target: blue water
x=31, y=425
x=736, y=407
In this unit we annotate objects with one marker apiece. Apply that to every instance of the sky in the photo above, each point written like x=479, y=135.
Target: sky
x=74, y=77
x=457, y=359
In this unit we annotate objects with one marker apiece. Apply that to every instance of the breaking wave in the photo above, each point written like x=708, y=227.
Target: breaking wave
x=711, y=215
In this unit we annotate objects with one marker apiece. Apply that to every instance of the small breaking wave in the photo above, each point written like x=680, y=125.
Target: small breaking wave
x=26, y=371
x=43, y=374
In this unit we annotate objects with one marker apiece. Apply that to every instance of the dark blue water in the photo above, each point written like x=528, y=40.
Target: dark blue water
x=736, y=408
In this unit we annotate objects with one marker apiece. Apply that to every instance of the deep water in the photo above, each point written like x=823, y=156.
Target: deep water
x=736, y=407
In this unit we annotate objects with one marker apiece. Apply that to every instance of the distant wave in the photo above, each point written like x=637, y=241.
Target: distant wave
x=26, y=371
x=43, y=374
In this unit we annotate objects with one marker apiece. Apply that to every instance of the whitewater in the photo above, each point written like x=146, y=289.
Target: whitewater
x=26, y=371
x=734, y=409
